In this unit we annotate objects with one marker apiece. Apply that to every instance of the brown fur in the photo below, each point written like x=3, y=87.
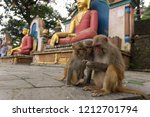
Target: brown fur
x=89, y=57
x=74, y=70
x=108, y=67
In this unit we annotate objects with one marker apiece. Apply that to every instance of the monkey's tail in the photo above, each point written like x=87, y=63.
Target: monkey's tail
x=132, y=91
x=65, y=75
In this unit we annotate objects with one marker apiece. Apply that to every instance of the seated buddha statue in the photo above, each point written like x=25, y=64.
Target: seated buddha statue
x=45, y=38
x=83, y=26
x=26, y=44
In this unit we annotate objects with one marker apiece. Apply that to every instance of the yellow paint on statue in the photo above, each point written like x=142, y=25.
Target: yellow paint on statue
x=83, y=6
x=25, y=32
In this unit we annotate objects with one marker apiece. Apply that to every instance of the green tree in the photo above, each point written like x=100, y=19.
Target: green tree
x=14, y=27
x=140, y=6
x=18, y=11
x=146, y=13
x=71, y=8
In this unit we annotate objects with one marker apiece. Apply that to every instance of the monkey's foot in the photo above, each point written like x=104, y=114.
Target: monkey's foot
x=99, y=93
x=96, y=91
x=60, y=79
x=80, y=82
x=88, y=88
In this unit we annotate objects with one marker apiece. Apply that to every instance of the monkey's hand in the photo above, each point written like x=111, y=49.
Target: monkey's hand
x=84, y=61
x=91, y=64
x=97, y=66
x=83, y=64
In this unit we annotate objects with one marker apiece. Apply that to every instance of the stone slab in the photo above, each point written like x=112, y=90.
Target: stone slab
x=45, y=82
x=55, y=93
x=13, y=84
x=78, y=93
x=2, y=72
x=145, y=87
x=38, y=82
x=33, y=75
x=8, y=77
x=6, y=94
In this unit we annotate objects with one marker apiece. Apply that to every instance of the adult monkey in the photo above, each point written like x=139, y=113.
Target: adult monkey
x=108, y=67
x=74, y=70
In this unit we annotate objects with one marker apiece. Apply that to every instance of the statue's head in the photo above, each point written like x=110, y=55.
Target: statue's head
x=83, y=4
x=25, y=30
x=45, y=32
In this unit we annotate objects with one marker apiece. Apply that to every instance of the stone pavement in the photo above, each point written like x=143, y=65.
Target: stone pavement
x=24, y=82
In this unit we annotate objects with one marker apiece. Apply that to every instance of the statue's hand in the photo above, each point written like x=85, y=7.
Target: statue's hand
x=71, y=35
x=9, y=52
x=55, y=38
x=55, y=35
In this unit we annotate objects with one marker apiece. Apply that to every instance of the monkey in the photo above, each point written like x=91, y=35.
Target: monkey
x=108, y=69
x=89, y=57
x=74, y=70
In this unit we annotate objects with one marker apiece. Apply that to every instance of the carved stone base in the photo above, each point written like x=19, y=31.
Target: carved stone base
x=62, y=55
x=53, y=56
x=20, y=59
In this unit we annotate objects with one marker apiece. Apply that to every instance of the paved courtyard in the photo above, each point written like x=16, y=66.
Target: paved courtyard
x=26, y=82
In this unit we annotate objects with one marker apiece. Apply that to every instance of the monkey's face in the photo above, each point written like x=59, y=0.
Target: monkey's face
x=98, y=49
x=100, y=44
x=79, y=49
x=88, y=46
x=89, y=49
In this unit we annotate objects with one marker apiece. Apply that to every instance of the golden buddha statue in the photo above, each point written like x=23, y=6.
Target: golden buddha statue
x=84, y=25
x=26, y=44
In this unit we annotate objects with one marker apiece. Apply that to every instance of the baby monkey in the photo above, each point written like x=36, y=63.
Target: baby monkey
x=74, y=70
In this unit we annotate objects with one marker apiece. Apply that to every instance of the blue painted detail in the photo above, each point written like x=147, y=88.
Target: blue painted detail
x=127, y=9
x=127, y=39
x=34, y=32
x=103, y=15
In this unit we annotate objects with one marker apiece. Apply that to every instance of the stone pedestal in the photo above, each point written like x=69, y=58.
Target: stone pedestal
x=62, y=55
x=22, y=59
x=52, y=56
